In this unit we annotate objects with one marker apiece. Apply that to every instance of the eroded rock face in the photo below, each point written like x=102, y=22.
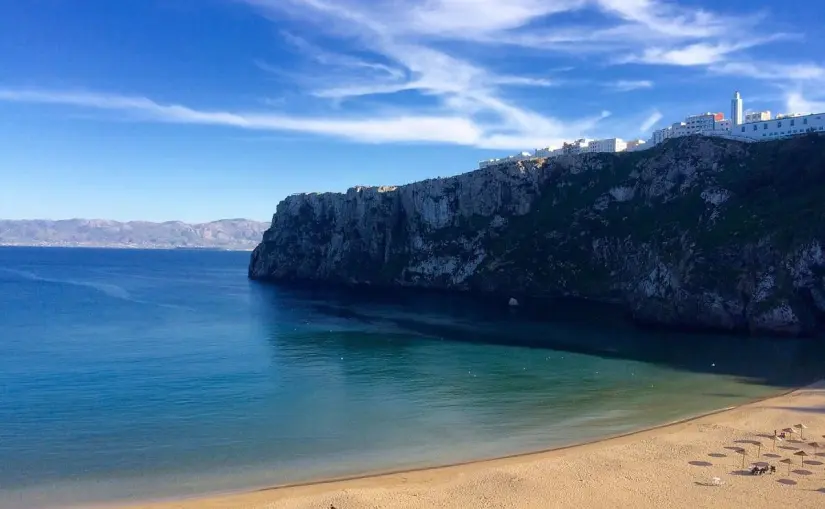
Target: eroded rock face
x=699, y=232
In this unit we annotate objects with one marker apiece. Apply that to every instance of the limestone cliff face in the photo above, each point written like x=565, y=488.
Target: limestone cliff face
x=698, y=232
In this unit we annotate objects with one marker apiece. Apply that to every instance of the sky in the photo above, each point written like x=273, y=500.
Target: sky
x=198, y=110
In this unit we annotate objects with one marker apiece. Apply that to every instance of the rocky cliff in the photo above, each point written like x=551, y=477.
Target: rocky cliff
x=698, y=232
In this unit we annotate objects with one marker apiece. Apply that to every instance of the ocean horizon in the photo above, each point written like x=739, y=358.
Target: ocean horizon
x=141, y=374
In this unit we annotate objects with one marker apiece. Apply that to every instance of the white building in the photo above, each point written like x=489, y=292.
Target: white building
x=662, y=134
x=547, y=152
x=576, y=147
x=780, y=116
x=703, y=122
x=672, y=131
x=792, y=125
x=523, y=156
x=755, y=126
x=723, y=125
x=634, y=145
x=736, y=107
x=757, y=116
x=606, y=145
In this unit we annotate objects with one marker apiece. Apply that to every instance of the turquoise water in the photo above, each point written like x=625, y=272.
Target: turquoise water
x=149, y=374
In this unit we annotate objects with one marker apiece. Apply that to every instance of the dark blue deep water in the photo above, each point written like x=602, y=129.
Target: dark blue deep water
x=150, y=374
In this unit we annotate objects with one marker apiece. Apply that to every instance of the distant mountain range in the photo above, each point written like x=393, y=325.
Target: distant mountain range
x=230, y=234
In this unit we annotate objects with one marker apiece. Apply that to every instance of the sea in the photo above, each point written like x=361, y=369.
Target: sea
x=131, y=375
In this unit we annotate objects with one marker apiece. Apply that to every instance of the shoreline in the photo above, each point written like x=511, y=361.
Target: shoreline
x=114, y=247
x=402, y=478
x=520, y=455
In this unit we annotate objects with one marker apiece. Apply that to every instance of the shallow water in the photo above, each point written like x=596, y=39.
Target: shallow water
x=149, y=374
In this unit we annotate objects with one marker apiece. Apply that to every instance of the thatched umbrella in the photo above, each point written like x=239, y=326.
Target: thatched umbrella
x=776, y=438
x=802, y=455
x=788, y=462
x=815, y=445
x=801, y=428
x=758, y=444
x=744, y=453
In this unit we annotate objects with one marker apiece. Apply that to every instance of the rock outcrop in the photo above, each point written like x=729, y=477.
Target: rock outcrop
x=698, y=232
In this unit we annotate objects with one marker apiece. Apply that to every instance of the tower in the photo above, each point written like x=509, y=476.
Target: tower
x=736, y=109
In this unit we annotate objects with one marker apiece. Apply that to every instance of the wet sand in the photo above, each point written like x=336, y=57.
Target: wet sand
x=669, y=466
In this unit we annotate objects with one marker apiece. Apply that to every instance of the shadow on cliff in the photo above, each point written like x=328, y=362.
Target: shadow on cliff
x=560, y=325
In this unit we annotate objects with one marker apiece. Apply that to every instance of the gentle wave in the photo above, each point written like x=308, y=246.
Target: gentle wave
x=108, y=289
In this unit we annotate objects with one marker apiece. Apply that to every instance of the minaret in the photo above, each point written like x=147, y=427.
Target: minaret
x=736, y=109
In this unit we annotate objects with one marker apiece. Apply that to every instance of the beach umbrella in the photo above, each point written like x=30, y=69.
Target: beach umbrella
x=776, y=439
x=744, y=453
x=801, y=428
x=758, y=444
x=815, y=445
x=802, y=455
x=788, y=462
x=790, y=431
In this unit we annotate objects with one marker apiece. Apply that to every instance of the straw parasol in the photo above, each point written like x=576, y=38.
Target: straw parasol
x=744, y=453
x=758, y=444
x=801, y=427
x=802, y=455
x=788, y=462
x=815, y=445
x=776, y=438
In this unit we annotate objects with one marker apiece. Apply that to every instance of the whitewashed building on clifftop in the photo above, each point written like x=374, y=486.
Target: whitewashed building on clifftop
x=580, y=146
x=634, y=145
x=753, y=126
x=736, y=109
x=781, y=127
x=523, y=156
x=757, y=116
x=703, y=123
x=606, y=145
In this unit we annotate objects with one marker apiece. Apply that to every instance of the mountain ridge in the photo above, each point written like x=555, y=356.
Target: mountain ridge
x=227, y=234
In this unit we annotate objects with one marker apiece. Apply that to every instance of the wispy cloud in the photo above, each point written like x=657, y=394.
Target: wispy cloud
x=650, y=122
x=702, y=53
x=629, y=85
x=399, y=37
x=768, y=70
x=374, y=50
x=392, y=129
x=408, y=38
x=401, y=128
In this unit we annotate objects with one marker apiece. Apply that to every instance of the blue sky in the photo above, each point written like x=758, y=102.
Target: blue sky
x=206, y=109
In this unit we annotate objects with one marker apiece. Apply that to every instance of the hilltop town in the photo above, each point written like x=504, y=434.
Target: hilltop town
x=747, y=127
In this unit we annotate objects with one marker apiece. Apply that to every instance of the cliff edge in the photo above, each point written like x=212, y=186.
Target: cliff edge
x=698, y=232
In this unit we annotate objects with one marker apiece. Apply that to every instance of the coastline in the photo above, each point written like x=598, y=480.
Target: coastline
x=363, y=490
x=130, y=247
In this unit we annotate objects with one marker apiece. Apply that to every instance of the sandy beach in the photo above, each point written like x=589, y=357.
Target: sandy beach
x=670, y=466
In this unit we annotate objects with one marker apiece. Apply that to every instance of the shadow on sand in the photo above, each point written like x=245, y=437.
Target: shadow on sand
x=700, y=463
x=800, y=471
x=809, y=410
